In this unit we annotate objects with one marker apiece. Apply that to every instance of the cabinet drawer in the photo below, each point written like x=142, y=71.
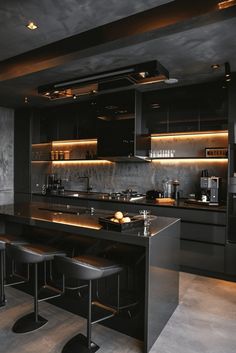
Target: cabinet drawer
x=203, y=232
x=202, y=256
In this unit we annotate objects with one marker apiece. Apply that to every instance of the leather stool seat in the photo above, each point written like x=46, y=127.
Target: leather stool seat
x=10, y=239
x=33, y=254
x=88, y=268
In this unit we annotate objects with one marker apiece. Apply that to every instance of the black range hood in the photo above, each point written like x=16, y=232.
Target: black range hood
x=138, y=74
x=121, y=134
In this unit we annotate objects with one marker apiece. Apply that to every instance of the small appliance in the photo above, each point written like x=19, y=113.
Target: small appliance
x=210, y=188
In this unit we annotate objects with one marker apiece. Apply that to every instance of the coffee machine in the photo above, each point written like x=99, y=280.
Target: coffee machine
x=210, y=188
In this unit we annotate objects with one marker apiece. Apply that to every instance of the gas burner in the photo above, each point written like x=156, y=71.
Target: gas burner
x=129, y=195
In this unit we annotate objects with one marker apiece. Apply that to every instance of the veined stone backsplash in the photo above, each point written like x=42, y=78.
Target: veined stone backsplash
x=137, y=176
x=6, y=154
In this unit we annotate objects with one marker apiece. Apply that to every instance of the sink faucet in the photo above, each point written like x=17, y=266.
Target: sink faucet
x=88, y=187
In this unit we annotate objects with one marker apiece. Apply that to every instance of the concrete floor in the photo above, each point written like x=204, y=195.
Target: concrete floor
x=204, y=322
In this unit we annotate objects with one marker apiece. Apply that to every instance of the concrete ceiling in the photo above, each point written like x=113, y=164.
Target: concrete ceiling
x=186, y=46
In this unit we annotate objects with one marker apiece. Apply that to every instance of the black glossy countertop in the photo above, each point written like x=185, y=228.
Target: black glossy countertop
x=99, y=196
x=77, y=220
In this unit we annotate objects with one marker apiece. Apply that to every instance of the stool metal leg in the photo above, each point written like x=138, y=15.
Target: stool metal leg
x=80, y=343
x=2, y=278
x=32, y=321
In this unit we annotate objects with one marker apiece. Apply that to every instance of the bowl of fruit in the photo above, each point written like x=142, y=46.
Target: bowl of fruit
x=120, y=222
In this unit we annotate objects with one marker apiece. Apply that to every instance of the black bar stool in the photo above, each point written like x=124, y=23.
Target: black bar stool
x=34, y=254
x=4, y=240
x=88, y=268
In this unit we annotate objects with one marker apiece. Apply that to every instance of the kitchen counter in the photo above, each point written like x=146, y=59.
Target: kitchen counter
x=159, y=281
x=99, y=196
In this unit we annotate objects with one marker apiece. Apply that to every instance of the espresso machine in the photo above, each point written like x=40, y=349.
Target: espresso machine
x=53, y=184
x=210, y=189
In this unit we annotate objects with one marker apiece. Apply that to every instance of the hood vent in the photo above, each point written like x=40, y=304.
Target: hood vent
x=140, y=74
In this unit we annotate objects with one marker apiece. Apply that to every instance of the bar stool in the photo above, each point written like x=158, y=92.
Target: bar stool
x=7, y=239
x=88, y=268
x=34, y=254
x=131, y=258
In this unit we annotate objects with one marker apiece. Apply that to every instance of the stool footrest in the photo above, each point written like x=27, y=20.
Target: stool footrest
x=104, y=307
x=79, y=343
x=47, y=292
x=16, y=279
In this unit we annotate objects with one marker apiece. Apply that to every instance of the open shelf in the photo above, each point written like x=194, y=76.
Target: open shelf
x=205, y=158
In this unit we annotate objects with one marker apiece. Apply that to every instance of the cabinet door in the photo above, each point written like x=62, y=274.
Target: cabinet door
x=155, y=111
x=116, y=138
x=86, y=116
x=116, y=122
x=67, y=126
x=184, y=116
x=213, y=115
x=48, y=128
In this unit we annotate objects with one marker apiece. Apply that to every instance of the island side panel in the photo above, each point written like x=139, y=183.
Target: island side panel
x=162, y=281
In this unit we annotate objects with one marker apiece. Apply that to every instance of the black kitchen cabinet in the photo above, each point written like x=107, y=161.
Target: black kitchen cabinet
x=155, y=111
x=48, y=127
x=69, y=122
x=183, y=116
x=86, y=119
x=192, y=108
x=122, y=135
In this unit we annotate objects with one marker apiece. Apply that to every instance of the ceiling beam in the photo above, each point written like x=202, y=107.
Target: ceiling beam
x=175, y=16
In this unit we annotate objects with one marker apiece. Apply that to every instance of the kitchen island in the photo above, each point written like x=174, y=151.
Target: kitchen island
x=159, y=285
x=203, y=238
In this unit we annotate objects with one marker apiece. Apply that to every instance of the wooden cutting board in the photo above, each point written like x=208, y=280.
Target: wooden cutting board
x=163, y=200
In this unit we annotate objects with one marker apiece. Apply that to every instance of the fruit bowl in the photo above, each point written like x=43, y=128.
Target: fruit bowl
x=108, y=224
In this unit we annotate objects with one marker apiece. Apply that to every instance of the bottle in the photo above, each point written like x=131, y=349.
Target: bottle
x=176, y=189
x=61, y=155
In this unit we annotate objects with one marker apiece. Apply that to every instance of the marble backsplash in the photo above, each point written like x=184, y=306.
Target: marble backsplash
x=6, y=155
x=137, y=176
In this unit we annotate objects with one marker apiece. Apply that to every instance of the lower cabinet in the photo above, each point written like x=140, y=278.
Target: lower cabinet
x=202, y=256
x=203, y=233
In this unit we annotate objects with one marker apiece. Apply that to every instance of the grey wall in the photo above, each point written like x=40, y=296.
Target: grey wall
x=6, y=155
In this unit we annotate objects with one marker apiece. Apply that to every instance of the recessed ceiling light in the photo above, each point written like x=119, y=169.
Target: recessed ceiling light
x=31, y=25
x=215, y=66
x=171, y=81
x=26, y=100
x=155, y=105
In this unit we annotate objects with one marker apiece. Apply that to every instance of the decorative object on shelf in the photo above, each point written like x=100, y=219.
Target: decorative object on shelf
x=216, y=152
x=66, y=155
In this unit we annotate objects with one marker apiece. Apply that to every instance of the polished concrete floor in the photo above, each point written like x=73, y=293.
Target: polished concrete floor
x=204, y=322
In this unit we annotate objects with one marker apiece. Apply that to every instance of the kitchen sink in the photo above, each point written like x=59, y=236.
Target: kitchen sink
x=66, y=210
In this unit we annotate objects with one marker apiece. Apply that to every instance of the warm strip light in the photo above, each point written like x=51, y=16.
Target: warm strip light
x=189, y=135
x=100, y=161
x=225, y=4
x=190, y=160
x=74, y=142
x=77, y=224
x=41, y=144
x=40, y=161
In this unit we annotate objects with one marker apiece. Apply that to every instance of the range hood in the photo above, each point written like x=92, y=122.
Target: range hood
x=121, y=134
x=139, y=74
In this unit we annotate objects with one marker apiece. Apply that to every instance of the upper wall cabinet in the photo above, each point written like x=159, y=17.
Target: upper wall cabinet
x=191, y=108
x=68, y=122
